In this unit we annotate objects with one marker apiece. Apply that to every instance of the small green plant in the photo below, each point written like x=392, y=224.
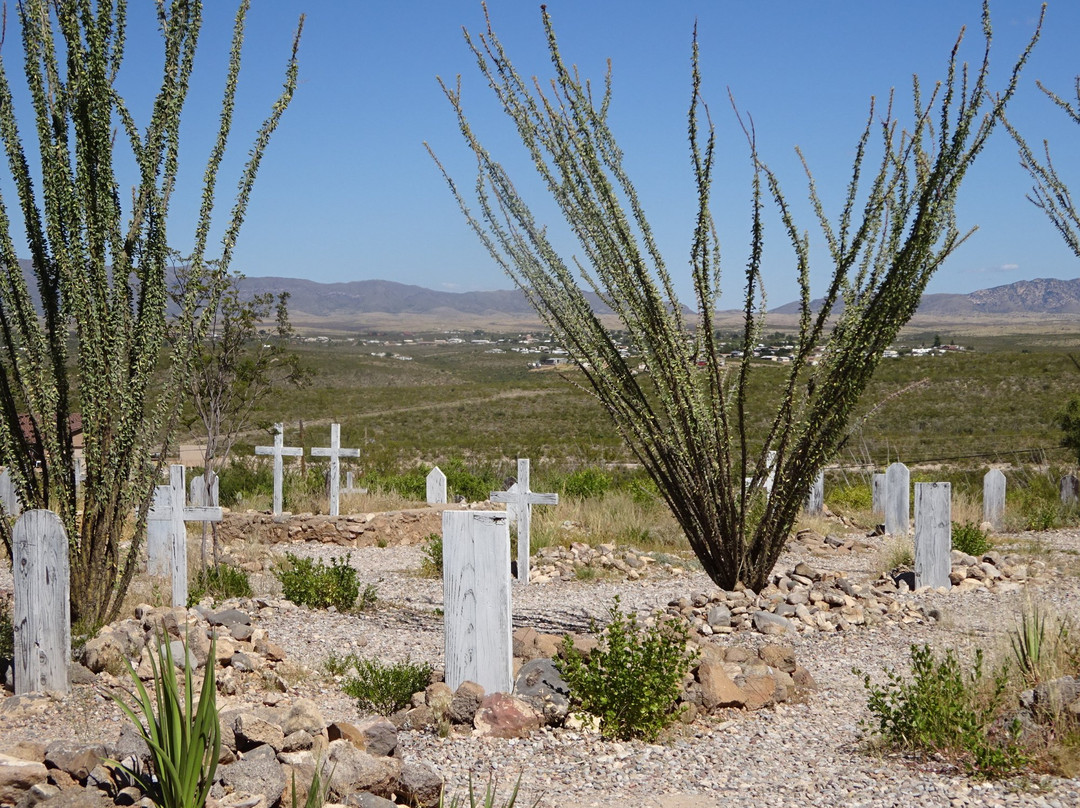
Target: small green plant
x=311, y=583
x=898, y=551
x=633, y=679
x=385, y=689
x=337, y=665
x=7, y=630
x=969, y=538
x=945, y=711
x=317, y=790
x=184, y=737
x=487, y=800
x=585, y=573
x=852, y=496
x=219, y=582
x=369, y=598
x=431, y=566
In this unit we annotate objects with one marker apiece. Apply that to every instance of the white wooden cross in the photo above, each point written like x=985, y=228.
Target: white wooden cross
x=519, y=505
x=279, y=450
x=335, y=453
x=166, y=532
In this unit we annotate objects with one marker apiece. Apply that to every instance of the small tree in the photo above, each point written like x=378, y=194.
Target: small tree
x=687, y=423
x=97, y=342
x=235, y=364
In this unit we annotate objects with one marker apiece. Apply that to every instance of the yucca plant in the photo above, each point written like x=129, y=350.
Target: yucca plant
x=487, y=800
x=184, y=737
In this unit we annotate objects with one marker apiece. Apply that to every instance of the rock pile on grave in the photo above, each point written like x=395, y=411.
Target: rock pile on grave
x=564, y=563
x=828, y=544
x=993, y=572
x=264, y=742
x=801, y=599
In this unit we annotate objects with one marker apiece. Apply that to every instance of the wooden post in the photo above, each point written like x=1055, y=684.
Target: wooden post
x=159, y=532
x=202, y=495
x=933, y=534
x=815, y=500
x=42, y=603
x=994, y=498
x=476, y=599
x=8, y=498
x=279, y=450
x=877, y=494
x=436, y=487
x=897, y=500
x=335, y=453
x=519, y=504
x=1070, y=489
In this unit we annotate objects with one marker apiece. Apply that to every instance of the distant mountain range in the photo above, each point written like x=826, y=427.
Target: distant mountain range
x=1040, y=296
x=336, y=300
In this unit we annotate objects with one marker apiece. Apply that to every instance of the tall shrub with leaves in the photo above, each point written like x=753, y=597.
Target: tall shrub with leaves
x=92, y=343
x=688, y=423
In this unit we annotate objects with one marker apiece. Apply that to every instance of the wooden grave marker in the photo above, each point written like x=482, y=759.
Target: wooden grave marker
x=436, y=487
x=349, y=487
x=815, y=500
x=877, y=494
x=476, y=599
x=519, y=501
x=335, y=453
x=897, y=500
x=1070, y=489
x=933, y=534
x=202, y=495
x=994, y=498
x=8, y=497
x=166, y=532
x=42, y=603
x=279, y=450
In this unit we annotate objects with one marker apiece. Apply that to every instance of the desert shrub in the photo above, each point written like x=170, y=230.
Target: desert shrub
x=485, y=800
x=475, y=485
x=384, y=689
x=851, y=496
x=411, y=484
x=242, y=479
x=308, y=582
x=633, y=679
x=969, y=538
x=586, y=483
x=946, y=711
x=220, y=582
x=432, y=565
x=369, y=598
x=7, y=630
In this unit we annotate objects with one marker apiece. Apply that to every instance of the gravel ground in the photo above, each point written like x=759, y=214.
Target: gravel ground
x=805, y=754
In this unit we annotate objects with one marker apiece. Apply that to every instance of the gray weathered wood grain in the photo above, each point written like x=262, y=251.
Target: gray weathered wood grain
x=335, y=453
x=42, y=603
x=877, y=494
x=994, y=498
x=476, y=599
x=279, y=451
x=436, y=487
x=933, y=534
x=897, y=500
x=519, y=501
x=815, y=500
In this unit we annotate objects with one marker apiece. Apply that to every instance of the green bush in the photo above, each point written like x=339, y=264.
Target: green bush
x=308, y=582
x=219, y=582
x=244, y=478
x=943, y=710
x=969, y=538
x=384, y=689
x=431, y=566
x=851, y=496
x=634, y=677
x=587, y=483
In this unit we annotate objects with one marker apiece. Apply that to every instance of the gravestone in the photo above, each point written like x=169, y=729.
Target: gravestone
x=80, y=476
x=770, y=465
x=42, y=603
x=1070, y=489
x=897, y=500
x=335, y=453
x=436, y=487
x=933, y=534
x=476, y=599
x=815, y=500
x=994, y=498
x=201, y=495
x=519, y=501
x=877, y=493
x=8, y=497
x=279, y=450
x=169, y=549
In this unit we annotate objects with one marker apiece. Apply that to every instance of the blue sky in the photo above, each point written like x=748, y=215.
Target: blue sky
x=347, y=191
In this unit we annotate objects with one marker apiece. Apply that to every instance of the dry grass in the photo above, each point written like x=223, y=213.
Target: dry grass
x=615, y=518
x=897, y=551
